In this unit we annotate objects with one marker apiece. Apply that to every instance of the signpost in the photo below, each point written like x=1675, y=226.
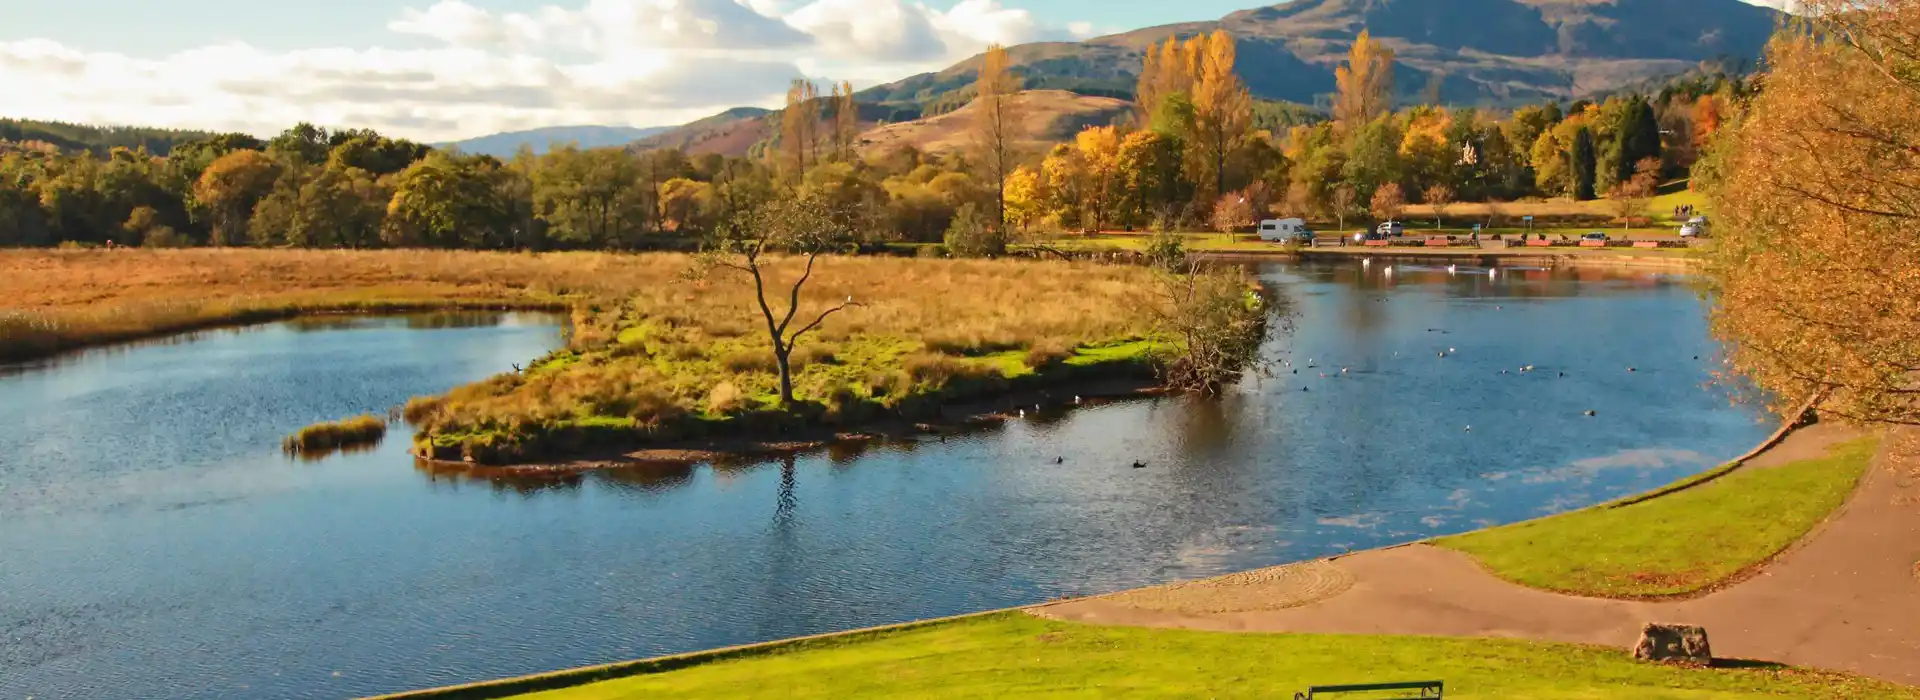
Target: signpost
x=1529, y=220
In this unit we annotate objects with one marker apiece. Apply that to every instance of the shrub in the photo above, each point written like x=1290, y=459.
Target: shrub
x=971, y=235
x=725, y=399
x=1047, y=354
x=812, y=355
x=421, y=409
x=1167, y=251
x=744, y=361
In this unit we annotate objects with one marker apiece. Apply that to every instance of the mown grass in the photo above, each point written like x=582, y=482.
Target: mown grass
x=1016, y=655
x=1677, y=544
x=357, y=431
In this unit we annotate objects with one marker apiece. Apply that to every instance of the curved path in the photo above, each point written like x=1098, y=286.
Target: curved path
x=1846, y=598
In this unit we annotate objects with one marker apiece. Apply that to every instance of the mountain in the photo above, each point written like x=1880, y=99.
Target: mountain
x=1460, y=51
x=1049, y=116
x=506, y=144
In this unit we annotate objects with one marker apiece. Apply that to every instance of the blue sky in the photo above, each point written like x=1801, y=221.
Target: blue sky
x=446, y=69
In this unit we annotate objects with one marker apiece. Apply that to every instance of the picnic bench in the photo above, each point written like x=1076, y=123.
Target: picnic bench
x=1593, y=244
x=1428, y=690
x=1377, y=244
x=1646, y=244
x=1539, y=243
x=1439, y=242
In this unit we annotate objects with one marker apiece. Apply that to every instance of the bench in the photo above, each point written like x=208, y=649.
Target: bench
x=1438, y=242
x=1646, y=244
x=1428, y=690
x=1539, y=243
x=1377, y=244
x=1593, y=244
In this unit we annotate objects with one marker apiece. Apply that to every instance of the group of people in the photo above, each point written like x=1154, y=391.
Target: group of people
x=1683, y=211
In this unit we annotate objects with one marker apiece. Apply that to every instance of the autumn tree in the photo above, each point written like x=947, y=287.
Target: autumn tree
x=1388, y=202
x=1232, y=213
x=1813, y=276
x=800, y=129
x=1438, y=197
x=230, y=187
x=846, y=121
x=1343, y=201
x=1363, y=87
x=764, y=245
x=1098, y=149
x=1630, y=197
x=996, y=128
x=1222, y=109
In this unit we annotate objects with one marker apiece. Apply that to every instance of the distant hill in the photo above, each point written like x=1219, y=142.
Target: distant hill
x=506, y=144
x=99, y=140
x=732, y=133
x=1048, y=116
x=1462, y=51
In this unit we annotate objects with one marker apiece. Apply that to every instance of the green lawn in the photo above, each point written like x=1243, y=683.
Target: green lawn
x=1014, y=655
x=1676, y=544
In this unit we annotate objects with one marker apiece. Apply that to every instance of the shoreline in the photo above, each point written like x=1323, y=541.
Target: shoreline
x=567, y=678
x=1483, y=257
x=957, y=418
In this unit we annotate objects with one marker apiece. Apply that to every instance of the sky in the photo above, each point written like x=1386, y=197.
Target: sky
x=437, y=70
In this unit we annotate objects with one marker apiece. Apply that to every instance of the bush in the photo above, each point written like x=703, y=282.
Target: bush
x=744, y=361
x=421, y=409
x=972, y=235
x=1167, y=251
x=164, y=237
x=1047, y=355
x=725, y=399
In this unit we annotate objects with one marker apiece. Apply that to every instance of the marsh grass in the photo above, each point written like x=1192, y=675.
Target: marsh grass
x=321, y=438
x=648, y=348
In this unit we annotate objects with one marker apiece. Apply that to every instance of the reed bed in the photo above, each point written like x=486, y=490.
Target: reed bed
x=358, y=431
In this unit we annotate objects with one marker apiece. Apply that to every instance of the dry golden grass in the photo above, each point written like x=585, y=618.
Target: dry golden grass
x=649, y=345
x=326, y=437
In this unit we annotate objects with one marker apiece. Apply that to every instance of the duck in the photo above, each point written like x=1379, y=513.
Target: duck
x=1452, y=269
x=1591, y=414
x=1059, y=460
x=1137, y=464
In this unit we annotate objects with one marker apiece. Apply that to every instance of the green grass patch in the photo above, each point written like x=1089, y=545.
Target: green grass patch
x=1676, y=544
x=1015, y=655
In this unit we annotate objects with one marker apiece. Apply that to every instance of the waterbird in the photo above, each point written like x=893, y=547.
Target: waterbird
x=1630, y=369
x=1137, y=464
x=1452, y=269
x=1343, y=370
x=1563, y=374
x=1076, y=399
x=1443, y=353
x=1023, y=413
x=1364, y=262
x=1469, y=429
x=1059, y=460
x=1591, y=414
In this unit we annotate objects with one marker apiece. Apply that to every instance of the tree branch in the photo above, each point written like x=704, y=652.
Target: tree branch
x=821, y=319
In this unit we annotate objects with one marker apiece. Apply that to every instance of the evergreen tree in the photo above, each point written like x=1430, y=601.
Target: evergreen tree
x=1583, y=164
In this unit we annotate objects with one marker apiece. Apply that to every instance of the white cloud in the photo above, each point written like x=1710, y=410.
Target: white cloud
x=640, y=62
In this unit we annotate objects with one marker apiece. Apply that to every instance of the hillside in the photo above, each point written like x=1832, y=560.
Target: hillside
x=1466, y=51
x=506, y=144
x=98, y=140
x=1049, y=116
x=731, y=133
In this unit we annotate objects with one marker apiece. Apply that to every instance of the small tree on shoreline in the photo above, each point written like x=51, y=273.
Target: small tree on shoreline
x=1221, y=321
x=805, y=227
x=1439, y=196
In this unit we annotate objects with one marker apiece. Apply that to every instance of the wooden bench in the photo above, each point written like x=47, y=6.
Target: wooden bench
x=1428, y=690
x=1646, y=244
x=1593, y=244
x=1438, y=242
x=1538, y=243
x=1377, y=244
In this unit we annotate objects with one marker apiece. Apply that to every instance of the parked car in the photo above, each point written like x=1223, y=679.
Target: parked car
x=1695, y=227
x=1391, y=228
x=1594, y=236
x=1277, y=230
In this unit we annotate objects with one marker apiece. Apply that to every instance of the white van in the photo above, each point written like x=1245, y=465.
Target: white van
x=1285, y=230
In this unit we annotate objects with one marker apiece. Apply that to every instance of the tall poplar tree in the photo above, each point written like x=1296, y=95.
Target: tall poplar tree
x=1223, y=111
x=1364, y=86
x=996, y=127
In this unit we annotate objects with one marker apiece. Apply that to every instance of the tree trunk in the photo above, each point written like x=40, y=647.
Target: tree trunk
x=780, y=360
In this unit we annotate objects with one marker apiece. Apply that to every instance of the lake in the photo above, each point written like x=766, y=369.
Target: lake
x=157, y=544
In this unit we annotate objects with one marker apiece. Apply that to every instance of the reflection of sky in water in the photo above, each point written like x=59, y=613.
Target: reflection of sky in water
x=158, y=545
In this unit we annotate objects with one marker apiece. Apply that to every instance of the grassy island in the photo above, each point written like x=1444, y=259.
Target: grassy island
x=653, y=355
x=335, y=435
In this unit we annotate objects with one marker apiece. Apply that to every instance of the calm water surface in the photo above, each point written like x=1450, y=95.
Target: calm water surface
x=154, y=543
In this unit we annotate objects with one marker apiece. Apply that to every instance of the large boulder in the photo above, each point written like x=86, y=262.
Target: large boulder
x=1677, y=644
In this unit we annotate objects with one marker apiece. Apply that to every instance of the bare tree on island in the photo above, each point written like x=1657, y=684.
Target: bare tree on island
x=776, y=234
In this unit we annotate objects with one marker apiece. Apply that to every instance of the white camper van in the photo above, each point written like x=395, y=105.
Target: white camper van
x=1285, y=230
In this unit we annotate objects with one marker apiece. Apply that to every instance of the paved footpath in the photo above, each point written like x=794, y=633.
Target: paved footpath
x=1847, y=598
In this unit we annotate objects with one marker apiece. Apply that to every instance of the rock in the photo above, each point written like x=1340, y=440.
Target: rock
x=1679, y=644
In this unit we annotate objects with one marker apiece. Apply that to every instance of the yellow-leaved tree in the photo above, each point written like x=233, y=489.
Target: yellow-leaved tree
x=1815, y=194
x=1222, y=110
x=1363, y=88
x=996, y=128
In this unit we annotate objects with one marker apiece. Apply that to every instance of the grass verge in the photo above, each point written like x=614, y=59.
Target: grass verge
x=334, y=435
x=1678, y=544
x=1013, y=654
